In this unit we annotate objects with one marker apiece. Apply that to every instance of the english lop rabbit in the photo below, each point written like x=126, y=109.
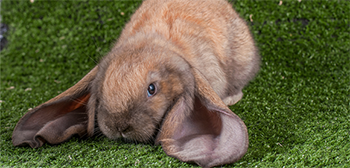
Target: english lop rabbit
x=175, y=67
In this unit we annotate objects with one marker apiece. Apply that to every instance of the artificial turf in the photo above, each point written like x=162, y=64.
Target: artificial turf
x=296, y=110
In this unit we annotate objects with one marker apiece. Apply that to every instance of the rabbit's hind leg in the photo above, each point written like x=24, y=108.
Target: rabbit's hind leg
x=231, y=100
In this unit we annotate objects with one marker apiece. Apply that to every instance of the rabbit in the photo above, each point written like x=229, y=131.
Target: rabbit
x=168, y=79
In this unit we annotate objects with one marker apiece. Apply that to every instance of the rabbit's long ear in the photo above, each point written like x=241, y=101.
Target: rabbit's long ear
x=59, y=118
x=205, y=131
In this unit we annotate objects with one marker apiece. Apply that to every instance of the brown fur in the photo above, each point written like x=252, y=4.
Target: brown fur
x=199, y=54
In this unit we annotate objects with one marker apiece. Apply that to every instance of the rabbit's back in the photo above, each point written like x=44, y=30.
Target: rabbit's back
x=208, y=34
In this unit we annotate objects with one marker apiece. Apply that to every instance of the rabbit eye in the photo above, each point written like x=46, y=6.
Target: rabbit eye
x=151, y=90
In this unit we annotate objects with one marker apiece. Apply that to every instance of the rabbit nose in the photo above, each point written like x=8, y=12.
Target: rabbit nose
x=125, y=128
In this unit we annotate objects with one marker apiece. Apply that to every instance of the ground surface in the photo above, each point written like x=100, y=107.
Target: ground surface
x=296, y=110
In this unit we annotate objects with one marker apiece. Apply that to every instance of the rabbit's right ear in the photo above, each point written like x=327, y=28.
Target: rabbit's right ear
x=202, y=129
x=58, y=119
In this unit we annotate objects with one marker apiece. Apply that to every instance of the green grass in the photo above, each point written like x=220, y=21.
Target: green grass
x=296, y=110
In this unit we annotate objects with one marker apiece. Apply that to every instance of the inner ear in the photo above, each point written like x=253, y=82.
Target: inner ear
x=57, y=109
x=207, y=135
x=54, y=122
x=201, y=122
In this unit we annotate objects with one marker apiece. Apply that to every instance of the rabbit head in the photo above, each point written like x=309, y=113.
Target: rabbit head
x=135, y=88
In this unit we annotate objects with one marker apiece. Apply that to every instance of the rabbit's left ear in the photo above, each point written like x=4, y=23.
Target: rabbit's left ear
x=203, y=129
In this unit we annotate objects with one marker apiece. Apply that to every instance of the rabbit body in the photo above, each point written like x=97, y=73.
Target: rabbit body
x=208, y=34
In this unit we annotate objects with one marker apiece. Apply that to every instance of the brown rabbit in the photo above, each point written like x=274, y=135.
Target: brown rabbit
x=175, y=68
